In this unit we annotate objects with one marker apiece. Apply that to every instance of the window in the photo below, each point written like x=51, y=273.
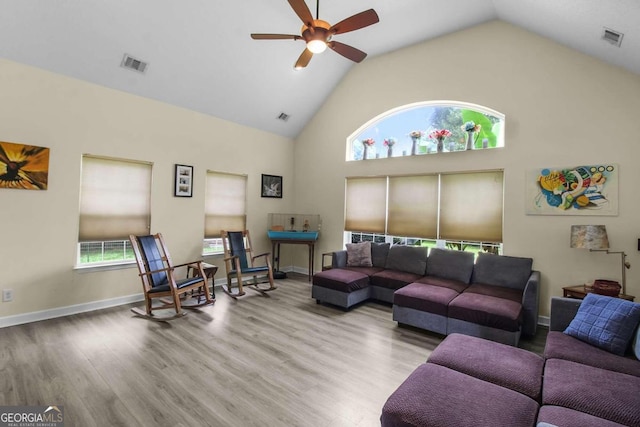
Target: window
x=115, y=201
x=410, y=130
x=463, y=209
x=225, y=208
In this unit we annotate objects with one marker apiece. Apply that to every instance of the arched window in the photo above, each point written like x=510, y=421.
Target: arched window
x=431, y=127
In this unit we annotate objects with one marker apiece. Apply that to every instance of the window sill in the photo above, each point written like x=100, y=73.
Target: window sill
x=90, y=268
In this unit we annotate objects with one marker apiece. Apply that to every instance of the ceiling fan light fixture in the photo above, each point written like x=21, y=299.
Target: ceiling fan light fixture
x=317, y=46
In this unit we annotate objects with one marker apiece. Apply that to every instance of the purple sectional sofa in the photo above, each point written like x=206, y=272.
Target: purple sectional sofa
x=440, y=290
x=469, y=381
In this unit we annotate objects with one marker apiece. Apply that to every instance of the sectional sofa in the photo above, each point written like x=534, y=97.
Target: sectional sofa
x=582, y=380
x=440, y=290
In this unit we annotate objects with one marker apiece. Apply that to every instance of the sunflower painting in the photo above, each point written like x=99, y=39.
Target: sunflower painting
x=23, y=166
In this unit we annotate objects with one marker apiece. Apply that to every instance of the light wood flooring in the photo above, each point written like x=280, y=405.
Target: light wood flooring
x=278, y=361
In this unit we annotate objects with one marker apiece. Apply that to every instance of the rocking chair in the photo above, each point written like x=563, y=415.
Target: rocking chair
x=159, y=279
x=237, y=253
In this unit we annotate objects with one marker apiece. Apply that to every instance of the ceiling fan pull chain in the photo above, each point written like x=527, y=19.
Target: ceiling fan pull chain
x=318, y=9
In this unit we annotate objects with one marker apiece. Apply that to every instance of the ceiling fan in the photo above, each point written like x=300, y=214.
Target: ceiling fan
x=318, y=34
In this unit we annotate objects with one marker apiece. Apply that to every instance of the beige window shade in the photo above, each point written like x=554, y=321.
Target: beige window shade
x=366, y=204
x=115, y=199
x=413, y=206
x=471, y=206
x=225, y=203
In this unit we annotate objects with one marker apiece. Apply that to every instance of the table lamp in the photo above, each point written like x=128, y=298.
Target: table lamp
x=594, y=238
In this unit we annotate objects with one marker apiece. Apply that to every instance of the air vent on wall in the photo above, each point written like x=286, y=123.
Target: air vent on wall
x=611, y=36
x=283, y=116
x=134, y=64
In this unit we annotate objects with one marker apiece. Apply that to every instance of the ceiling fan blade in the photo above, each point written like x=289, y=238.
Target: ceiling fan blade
x=302, y=10
x=355, y=22
x=349, y=52
x=304, y=59
x=275, y=37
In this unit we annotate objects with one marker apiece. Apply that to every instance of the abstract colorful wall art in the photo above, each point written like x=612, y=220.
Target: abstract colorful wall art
x=23, y=166
x=573, y=190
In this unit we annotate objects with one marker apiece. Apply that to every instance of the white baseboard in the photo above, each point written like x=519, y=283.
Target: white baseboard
x=543, y=321
x=36, y=316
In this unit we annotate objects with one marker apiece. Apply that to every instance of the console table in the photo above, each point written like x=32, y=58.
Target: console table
x=275, y=251
x=581, y=291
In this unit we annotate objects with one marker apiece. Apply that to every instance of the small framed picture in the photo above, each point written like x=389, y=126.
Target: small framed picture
x=271, y=186
x=183, y=186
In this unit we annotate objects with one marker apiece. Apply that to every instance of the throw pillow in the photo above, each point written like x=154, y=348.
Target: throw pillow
x=359, y=254
x=379, y=252
x=605, y=322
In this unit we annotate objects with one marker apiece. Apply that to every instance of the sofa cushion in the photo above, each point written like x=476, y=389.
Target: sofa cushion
x=448, y=264
x=496, y=291
x=598, y=392
x=635, y=343
x=369, y=271
x=437, y=396
x=605, y=322
x=341, y=279
x=444, y=283
x=423, y=297
x=504, y=365
x=393, y=279
x=379, y=253
x=563, y=346
x=502, y=270
x=487, y=310
x=359, y=254
x=410, y=259
x=565, y=417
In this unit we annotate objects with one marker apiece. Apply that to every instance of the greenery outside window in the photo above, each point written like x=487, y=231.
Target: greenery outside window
x=415, y=129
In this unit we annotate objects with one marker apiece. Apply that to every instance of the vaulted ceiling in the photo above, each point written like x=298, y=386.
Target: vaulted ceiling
x=200, y=55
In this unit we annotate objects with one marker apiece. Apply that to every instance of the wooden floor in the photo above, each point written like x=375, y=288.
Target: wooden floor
x=278, y=361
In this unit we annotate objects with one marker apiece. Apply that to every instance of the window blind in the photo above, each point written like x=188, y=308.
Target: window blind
x=225, y=203
x=413, y=206
x=115, y=199
x=471, y=206
x=366, y=204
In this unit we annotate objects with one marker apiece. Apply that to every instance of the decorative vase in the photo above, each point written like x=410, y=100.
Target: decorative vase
x=470, y=140
x=414, y=146
x=440, y=145
x=485, y=143
x=390, y=151
x=365, y=153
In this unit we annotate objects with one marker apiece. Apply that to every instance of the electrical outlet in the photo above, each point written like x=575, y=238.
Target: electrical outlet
x=7, y=295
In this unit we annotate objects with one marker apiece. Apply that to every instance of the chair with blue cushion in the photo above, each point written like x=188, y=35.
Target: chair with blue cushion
x=159, y=281
x=241, y=265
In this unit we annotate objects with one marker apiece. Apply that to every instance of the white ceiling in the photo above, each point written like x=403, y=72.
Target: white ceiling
x=201, y=57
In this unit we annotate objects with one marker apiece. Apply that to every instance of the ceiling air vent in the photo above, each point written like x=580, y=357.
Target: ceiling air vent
x=283, y=116
x=134, y=64
x=611, y=36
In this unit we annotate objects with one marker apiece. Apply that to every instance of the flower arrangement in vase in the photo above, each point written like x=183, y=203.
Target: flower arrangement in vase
x=471, y=128
x=440, y=135
x=366, y=143
x=389, y=143
x=415, y=136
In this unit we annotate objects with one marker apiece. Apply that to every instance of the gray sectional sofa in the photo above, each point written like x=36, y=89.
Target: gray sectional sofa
x=468, y=381
x=440, y=290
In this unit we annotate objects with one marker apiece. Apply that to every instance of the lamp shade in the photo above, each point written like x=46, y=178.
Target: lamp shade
x=589, y=237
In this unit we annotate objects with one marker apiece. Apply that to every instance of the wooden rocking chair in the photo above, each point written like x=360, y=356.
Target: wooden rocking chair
x=159, y=280
x=237, y=253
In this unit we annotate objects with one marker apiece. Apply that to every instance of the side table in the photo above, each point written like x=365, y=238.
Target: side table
x=581, y=291
x=210, y=271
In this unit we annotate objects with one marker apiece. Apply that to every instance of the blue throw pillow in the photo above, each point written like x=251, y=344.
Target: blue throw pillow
x=605, y=322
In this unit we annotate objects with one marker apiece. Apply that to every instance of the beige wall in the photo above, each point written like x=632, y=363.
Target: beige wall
x=562, y=108
x=40, y=228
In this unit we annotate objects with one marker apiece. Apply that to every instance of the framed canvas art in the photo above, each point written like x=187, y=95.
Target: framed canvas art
x=23, y=166
x=573, y=190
